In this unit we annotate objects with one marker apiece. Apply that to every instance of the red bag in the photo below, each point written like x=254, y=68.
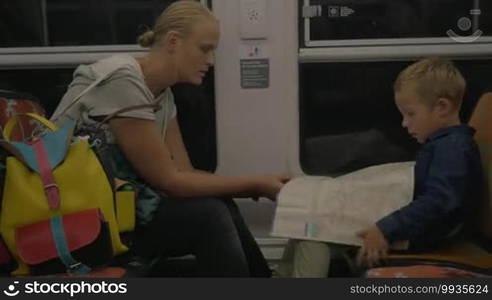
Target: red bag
x=422, y=271
x=12, y=103
x=90, y=243
x=6, y=261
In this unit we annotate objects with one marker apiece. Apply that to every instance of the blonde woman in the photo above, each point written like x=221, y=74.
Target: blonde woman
x=180, y=210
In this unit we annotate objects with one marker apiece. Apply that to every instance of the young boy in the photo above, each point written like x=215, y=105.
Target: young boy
x=448, y=173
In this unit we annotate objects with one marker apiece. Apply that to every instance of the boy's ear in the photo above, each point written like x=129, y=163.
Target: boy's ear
x=444, y=106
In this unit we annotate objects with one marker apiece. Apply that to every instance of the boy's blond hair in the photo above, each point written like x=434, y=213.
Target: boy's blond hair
x=433, y=78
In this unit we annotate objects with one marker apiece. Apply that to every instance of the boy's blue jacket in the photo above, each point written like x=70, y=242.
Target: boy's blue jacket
x=448, y=190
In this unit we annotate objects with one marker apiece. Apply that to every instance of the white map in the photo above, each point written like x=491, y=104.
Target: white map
x=334, y=209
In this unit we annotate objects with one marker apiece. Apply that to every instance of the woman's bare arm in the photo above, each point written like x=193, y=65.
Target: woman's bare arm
x=142, y=144
x=175, y=144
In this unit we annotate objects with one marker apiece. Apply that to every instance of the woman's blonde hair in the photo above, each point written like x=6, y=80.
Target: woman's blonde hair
x=433, y=78
x=180, y=17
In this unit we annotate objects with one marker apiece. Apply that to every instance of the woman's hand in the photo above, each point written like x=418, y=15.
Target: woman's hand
x=269, y=185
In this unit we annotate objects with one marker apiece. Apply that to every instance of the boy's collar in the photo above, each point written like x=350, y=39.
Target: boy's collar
x=447, y=130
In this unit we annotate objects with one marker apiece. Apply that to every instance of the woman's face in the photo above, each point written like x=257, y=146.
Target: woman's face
x=196, y=52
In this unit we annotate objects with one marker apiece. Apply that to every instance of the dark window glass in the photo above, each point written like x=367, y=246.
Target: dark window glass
x=196, y=117
x=196, y=106
x=48, y=85
x=21, y=23
x=100, y=22
x=78, y=23
x=381, y=19
x=349, y=119
x=28, y=23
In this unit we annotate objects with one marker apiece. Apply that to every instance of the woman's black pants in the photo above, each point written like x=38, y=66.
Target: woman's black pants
x=211, y=229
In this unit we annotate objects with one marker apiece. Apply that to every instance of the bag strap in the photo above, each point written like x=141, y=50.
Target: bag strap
x=73, y=266
x=155, y=107
x=13, y=121
x=85, y=91
x=53, y=195
x=50, y=187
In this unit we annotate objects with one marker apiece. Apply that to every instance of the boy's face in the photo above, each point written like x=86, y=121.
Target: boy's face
x=420, y=119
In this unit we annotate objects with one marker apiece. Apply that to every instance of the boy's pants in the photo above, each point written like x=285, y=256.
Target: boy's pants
x=308, y=259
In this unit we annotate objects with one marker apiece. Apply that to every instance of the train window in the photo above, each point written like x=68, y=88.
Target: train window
x=348, y=119
x=196, y=106
x=34, y=23
x=21, y=23
x=47, y=85
x=33, y=33
x=196, y=117
x=351, y=22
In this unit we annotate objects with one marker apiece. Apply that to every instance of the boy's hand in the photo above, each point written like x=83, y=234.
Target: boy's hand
x=375, y=246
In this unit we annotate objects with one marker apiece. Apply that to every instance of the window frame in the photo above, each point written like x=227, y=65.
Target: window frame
x=63, y=56
x=374, y=42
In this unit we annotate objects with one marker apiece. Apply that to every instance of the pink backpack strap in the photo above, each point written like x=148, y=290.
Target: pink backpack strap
x=50, y=186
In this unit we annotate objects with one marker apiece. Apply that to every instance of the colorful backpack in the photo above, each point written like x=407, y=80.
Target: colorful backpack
x=58, y=211
x=12, y=103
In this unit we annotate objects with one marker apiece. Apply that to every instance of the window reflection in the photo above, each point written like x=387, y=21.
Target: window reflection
x=21, y=23
x=348, y=117
x=32, y=23
x=195, y=104
x=388, y=19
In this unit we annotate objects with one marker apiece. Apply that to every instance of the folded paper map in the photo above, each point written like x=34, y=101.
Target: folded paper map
x=334, y=209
